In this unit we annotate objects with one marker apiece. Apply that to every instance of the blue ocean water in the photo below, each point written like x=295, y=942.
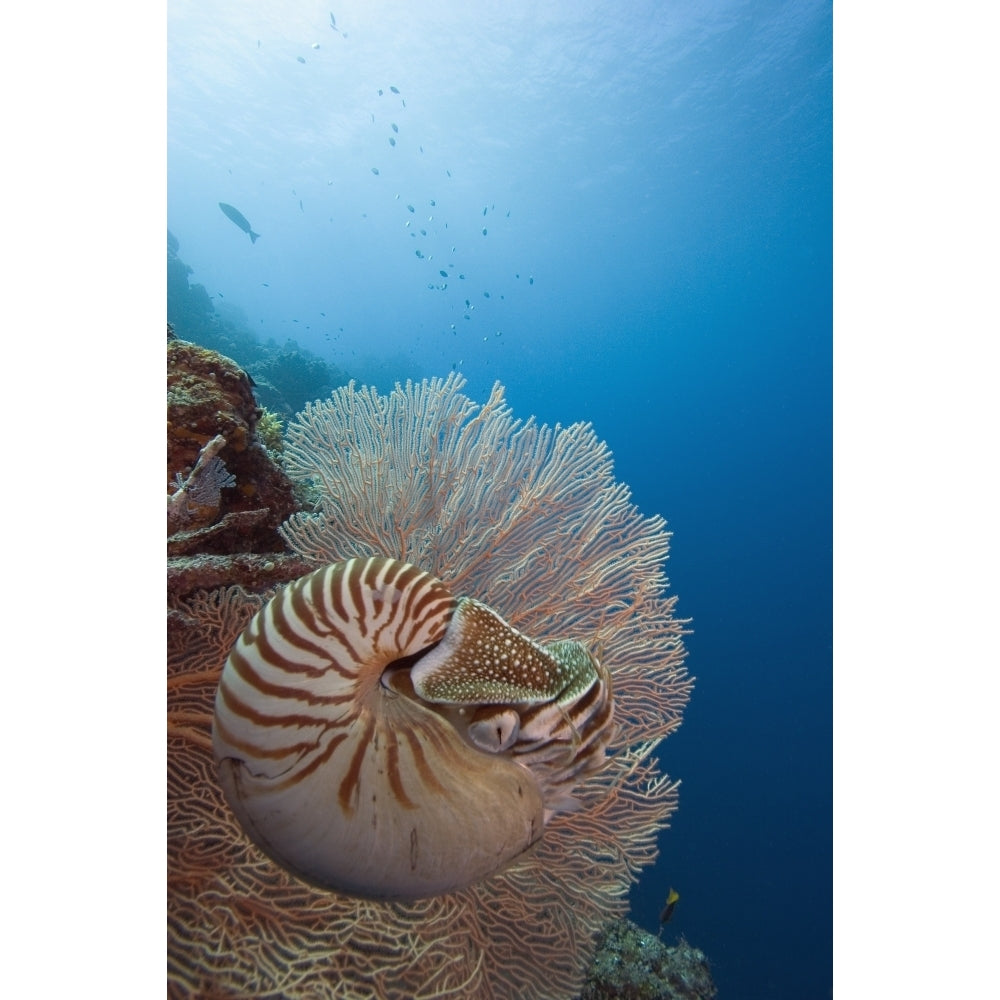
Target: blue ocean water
x=631, y=205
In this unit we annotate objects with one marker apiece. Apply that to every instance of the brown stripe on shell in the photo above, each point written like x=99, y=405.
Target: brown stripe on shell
x=419, y=757
x=393, y=771
x=242, y=710
x=275, y=753
x=347, y=793
x=293, y=617
x=335, y=596
x=245, y=671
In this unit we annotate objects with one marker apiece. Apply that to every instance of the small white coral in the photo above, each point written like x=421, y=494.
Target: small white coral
x=201, y=489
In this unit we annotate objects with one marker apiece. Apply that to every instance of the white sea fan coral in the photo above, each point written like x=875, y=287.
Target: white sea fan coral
x=530, y=520
x=201, y=489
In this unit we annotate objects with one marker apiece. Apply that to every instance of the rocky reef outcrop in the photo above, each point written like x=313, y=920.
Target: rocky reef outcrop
x=632, y=964
x=226, y=495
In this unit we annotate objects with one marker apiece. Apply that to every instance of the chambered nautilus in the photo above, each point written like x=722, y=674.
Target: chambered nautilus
x=378, y=736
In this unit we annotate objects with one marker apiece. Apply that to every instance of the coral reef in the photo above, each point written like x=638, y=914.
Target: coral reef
x=287, y=376
x=531, y=520
x=189, y=307
x=287, y=380
x=631, y=964
x=225, y=493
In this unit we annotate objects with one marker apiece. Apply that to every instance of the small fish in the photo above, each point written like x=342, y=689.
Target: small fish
x=301, y=60
x=333, y=21
x=486, y=294
x=221, y=296
x=444, y=274
x=395, y=127
x=379, y=91
x=323, y=315
x=266, y=285
x=484, y=210
x=531, y=281
x=668, y=908
x=433, y=202
x=395, y=90
x=392, y=142
x=301, y=209
x=420, y=255
x=484, y=230
x=240, y=219
x=403, y=99
x=411, y=208
x=375, y=171
x=448, y=172
x=462, y=276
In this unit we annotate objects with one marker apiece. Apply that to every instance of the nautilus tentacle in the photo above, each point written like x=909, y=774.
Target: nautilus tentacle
x=377, y=736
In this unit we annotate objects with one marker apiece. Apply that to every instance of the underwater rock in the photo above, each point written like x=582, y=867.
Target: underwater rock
x=253, y=571
x=631, y=964
x=189, y=307
x=209, y=395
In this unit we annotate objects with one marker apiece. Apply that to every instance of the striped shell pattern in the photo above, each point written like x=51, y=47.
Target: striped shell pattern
x=377, y=736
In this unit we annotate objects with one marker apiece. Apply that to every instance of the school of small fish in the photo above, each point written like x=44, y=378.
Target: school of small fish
x=437, y=226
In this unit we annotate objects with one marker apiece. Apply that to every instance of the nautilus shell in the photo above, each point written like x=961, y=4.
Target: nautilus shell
x=378, y=736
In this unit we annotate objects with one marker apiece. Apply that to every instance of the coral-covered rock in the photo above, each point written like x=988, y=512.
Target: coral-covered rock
x=631, y=964
x=207, y=395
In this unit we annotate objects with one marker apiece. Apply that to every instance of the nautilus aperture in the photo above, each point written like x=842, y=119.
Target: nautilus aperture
x=378, y=736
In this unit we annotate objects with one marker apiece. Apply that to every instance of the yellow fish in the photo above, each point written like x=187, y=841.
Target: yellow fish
x=668, y=908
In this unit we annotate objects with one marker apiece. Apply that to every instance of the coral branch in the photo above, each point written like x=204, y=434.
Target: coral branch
x=199, y=494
